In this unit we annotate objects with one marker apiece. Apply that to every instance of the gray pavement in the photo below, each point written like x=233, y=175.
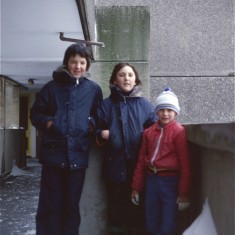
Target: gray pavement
x=19, y=198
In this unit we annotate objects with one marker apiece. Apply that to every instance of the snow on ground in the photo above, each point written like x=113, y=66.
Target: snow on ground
x=19, y=198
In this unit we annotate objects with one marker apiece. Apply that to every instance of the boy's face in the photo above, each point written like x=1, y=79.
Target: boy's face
x=166, y=116
x=125, y=79
x=77, y=66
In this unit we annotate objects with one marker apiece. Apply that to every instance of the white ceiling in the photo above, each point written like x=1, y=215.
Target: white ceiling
x=30, y=43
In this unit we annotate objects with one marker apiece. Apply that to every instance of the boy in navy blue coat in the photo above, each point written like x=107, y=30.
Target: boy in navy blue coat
x=64, y=111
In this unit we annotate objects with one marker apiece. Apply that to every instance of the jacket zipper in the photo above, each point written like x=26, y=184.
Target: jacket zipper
x=77, y=82
x=156, y=150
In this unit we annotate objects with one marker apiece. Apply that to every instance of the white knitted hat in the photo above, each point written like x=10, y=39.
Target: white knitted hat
x=167, y=100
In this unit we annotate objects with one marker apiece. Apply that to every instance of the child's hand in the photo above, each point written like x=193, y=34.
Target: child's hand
x=49, y=124
x=135, y=197
x=105, y=134
x=183, y=203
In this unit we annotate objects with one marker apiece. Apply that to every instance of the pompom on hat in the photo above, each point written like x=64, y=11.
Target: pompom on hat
x=167, y=100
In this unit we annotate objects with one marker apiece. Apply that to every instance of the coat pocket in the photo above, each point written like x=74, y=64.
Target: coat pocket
x=56, y=144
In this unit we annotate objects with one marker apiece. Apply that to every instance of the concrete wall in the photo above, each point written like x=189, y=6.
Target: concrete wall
x=201, y=99
x=212, y=159
x=93, y=202
x=213, y=154
x=186, y=37
x=191, y=49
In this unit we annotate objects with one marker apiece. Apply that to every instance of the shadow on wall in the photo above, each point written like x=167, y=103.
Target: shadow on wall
x=186, y=218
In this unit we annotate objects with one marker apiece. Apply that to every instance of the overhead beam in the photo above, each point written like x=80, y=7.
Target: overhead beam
x=83, y=18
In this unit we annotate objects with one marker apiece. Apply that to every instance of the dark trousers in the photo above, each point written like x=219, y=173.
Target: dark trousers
x=160, y=202
x=122, y=213
x=58, y=208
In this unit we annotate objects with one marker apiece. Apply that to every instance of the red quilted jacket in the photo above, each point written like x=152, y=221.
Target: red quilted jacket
x=164, y=147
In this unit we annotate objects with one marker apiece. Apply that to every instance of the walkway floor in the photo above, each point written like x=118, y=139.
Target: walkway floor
x=18, y=199
x=19, y=193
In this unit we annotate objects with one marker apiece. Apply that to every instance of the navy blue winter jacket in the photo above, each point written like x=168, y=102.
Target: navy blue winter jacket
x=72, y=108
x=125, y=116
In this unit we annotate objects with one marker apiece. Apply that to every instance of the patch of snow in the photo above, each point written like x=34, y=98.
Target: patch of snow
x=17, y=171
x=203, y=224
x=29, y=232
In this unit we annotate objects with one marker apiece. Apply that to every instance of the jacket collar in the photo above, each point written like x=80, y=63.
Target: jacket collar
x=118, y=95
x=159, y=126
x=63, y=76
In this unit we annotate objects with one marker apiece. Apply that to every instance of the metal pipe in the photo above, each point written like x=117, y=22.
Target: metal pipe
x=62, y=38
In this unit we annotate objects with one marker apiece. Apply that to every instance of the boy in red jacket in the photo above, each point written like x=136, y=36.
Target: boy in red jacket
x=163, y=168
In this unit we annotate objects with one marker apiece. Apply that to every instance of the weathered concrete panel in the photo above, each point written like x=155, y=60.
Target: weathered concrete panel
x=192, y=37
x=188, y=37
x=212, y=155
x=125, y=32
x=215, y=136
x=202, y=99
x=93, y=202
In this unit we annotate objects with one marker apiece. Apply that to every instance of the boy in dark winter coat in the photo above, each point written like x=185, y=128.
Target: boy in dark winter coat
x=64, y=111
x=122, y=117
x=163, y=168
